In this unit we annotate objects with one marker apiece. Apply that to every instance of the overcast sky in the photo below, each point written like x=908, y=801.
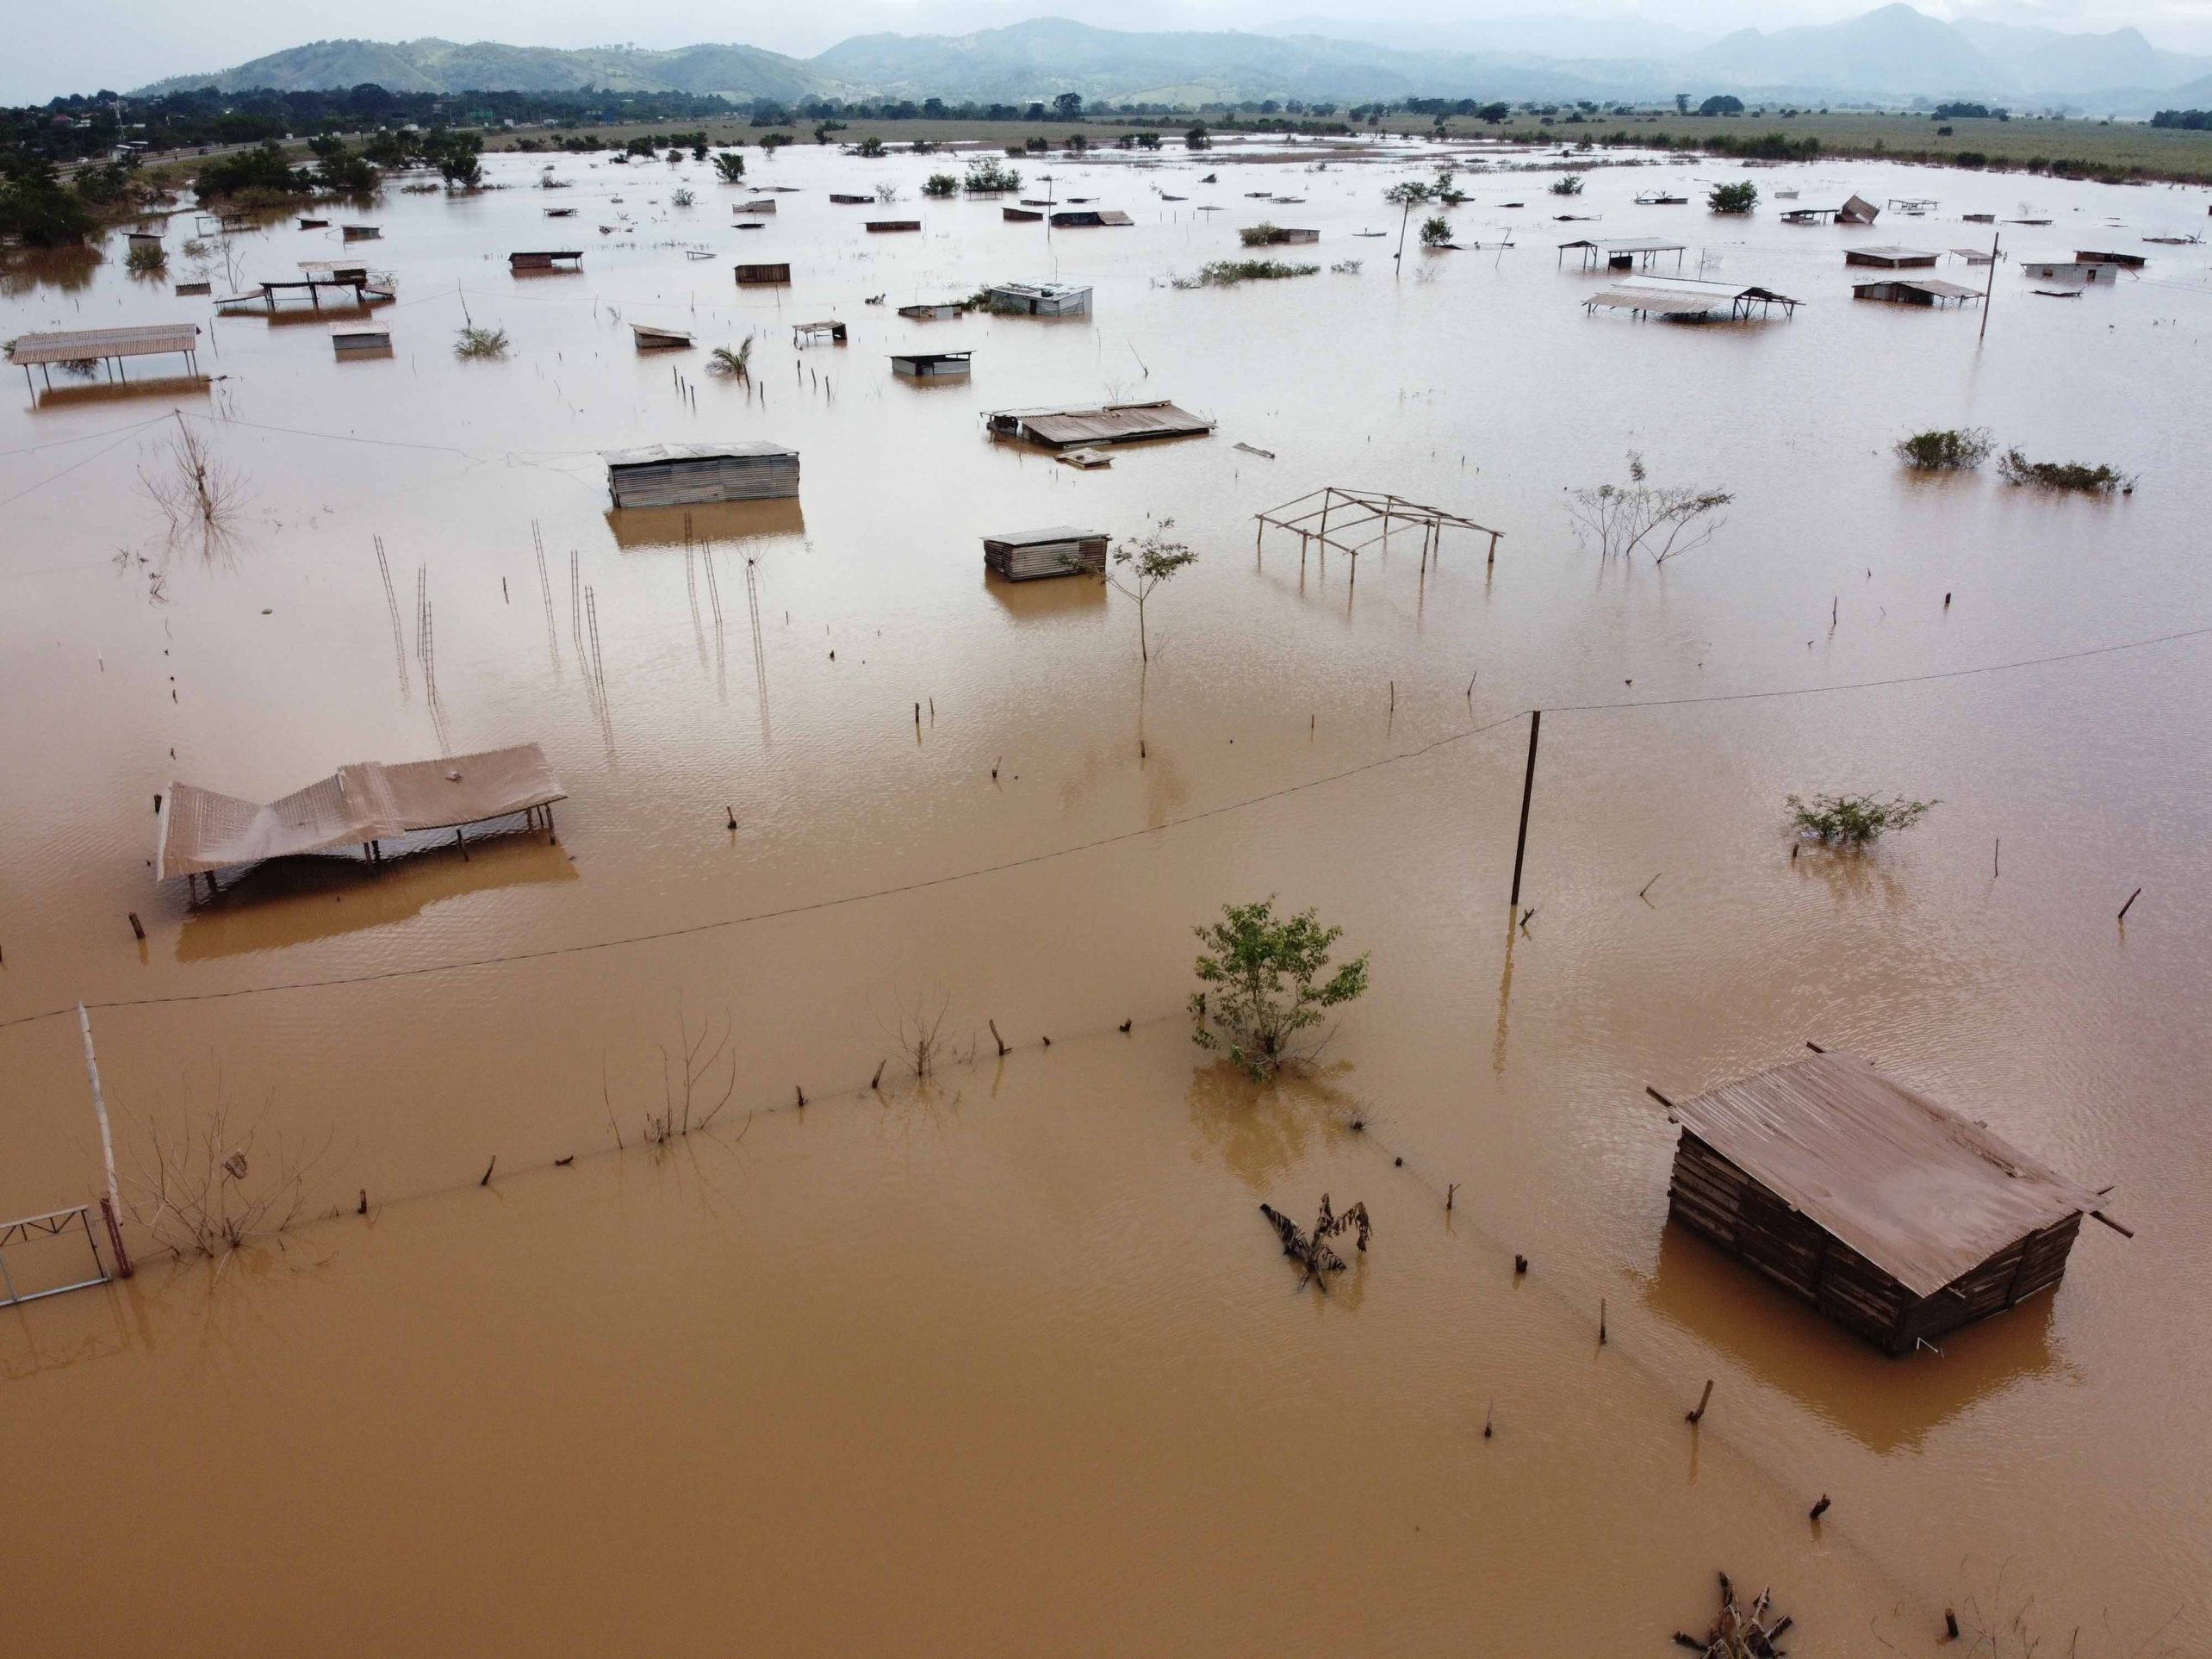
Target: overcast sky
x=89, y=44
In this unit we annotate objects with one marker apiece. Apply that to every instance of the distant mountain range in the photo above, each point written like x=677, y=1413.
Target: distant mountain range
x=1893, y=53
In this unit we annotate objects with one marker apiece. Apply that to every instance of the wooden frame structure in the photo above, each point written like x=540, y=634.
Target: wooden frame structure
x=1363, y=518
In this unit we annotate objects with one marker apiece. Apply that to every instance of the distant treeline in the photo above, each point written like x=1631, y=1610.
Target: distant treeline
x=2194, y=121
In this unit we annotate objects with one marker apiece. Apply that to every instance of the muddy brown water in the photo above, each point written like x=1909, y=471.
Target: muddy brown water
x=1008, y=1361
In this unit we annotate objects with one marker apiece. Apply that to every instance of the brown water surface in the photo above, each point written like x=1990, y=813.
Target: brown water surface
x=1003, y=1363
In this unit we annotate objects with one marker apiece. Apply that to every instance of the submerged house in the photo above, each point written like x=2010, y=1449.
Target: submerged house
x=2126, y=261
x=932, y=310
x=1892, y=258
x=776, y=276
x=884, y=226
x=2068, y=271
x=547, y=259
x=1089, y=218
x=684, y=474
x=360, y=339
x=1915, y=290
x=1269, y=235
x=1623, y=254
x=1038, y=299
x=930, y=365
x=1893, y=1215
x=1857, y=210
x=1111, y=423
x=1061, y=550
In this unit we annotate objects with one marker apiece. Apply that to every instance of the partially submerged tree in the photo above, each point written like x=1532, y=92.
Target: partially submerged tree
x=1141, y=566
x=1436, y=232
x=1567, y=184
x=738, y=364
x=1639, y=516
x=1853, y=820
x=1740, y=197
x=2100, y=479
x=941, y=184
x=476, y=343
x=728, y=166
x=1946, y=448
x=1265, y=987
x=988, y=176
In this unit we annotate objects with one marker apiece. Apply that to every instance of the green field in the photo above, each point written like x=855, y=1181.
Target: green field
x=2160, y=153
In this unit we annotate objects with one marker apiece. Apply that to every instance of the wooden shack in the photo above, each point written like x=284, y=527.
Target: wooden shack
x=1890, y=258
x=682, y=474
x=930, y=365
x=1038, y=300
x=2126, y=261
x=1891, y=1215
x=1089, y=218
x=648, y=337
x=1032, y=555
x=1915, y=290
x=1020, y=216
x=315, y=224
x=547, y=259
x=846, y=200
x=1857, y=210
x=778, y=275
x=932, y=310
x=1269, y=235
x=887, y=226
x=361, y=232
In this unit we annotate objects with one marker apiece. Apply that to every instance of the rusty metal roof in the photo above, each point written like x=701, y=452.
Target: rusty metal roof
x=78, y=345
x=1923, y=1193
x=1112, y=423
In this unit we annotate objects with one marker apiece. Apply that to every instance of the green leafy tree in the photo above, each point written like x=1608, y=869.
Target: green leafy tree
x=941, y=184
x=728, y=166
x=1140, y=568
x=1436, y=232
x=1068, y=106
x=1262, y=985
x=1196, y=136
x=1567, y=184
x=1739, y=197
x=36, y=208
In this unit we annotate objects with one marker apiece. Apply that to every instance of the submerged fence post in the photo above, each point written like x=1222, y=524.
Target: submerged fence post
x=111, y=1206
x=1528, y=790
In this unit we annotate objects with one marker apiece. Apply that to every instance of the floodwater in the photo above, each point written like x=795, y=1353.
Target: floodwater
x=1006, y=1361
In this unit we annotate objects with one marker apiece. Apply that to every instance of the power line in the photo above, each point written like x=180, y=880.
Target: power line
x=923, y=885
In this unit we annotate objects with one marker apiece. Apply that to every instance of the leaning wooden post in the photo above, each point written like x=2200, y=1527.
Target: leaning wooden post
x=110, y=1206
x=1528, y=791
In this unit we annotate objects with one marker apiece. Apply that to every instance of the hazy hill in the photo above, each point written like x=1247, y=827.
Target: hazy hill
x=1893, y=52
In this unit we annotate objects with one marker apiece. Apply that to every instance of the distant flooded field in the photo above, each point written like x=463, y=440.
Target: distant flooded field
x=1002, y=1359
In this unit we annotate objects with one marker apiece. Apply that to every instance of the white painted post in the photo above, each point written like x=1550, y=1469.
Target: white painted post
x=112, y=1205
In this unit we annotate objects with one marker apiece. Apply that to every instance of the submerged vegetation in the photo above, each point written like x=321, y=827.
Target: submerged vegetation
x=1264, y=989
x=988, y=176
x=1853, y=820
x=1228, y=273
x=1436, y=232
x=1567, y=184
x=1956, y=449
x=2100, y=479
x=1741, y=196
x=940, y=185
x=1311, y=1250
x=473, y=342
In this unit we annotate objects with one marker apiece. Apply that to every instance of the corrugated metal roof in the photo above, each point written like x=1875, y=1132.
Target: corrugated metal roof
x=200, y=829
x=1934, y=285
x=1891, y=253
x=1920, y=1192
x=1113, y=423
x=1055, y=533
x=1660, y=303
x=653, y=453
x=76, y=344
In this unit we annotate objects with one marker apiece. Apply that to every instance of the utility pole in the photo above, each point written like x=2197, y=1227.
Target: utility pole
x=1988, y=289
x=111, y=1206
x=1528, y=791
